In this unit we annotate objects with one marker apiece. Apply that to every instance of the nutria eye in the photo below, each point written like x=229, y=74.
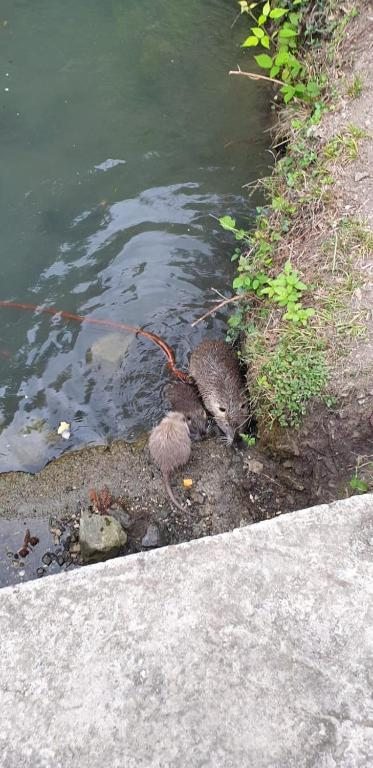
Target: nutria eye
x=222, y=410
x=188, y=418
x=243, y=405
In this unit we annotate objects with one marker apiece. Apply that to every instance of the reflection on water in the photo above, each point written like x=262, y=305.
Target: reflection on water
x=123, y=140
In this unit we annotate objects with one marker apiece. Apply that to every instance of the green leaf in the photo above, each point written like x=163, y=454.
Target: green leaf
x=358, y=485
x=264, y=61
x=257, y=31
x=288, y=91
x=250, y=41
x=283, y=57
x=227, y=223
x=286, y=32
x=266, y=9
x=274, y=71
x=265, y=41
x=277, y=13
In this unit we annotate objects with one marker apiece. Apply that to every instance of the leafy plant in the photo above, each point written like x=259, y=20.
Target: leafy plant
x=359, y=485
x=277, y=29
x=288, y=380
x=249, y=440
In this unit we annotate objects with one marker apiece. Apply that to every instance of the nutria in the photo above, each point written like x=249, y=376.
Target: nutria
x=215, y=369
x=184, y=398
x=169, y=446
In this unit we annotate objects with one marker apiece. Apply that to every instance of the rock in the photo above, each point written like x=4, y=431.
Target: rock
x=122, y=517
x=255, y=466
x=47, y=558
x=111, y=347
x=152, y=537
x=101, y=537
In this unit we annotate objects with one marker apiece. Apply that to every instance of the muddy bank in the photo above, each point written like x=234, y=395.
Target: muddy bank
x=231, y=488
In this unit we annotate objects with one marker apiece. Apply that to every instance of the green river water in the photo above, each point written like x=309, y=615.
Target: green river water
x=122, y=139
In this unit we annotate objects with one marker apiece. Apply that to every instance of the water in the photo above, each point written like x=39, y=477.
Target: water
x=122, y=137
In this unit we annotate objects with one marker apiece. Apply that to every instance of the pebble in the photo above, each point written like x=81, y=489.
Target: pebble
x=40, y=572
x=46, y=559
x=255, y=466
x=152, y=537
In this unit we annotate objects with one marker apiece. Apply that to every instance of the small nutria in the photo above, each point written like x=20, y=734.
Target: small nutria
x=184, y=398
x=215, y=369
x=170, y=446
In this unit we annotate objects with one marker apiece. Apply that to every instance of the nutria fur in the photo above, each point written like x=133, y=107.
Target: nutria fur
x=170, y=446
x=184, y=398
x=215, y=369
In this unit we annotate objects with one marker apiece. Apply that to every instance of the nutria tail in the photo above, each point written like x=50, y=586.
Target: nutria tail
x=166, y=481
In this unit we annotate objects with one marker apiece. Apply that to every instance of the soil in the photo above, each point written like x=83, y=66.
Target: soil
x=292, y=470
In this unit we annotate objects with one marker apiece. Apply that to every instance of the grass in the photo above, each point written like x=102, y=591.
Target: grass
x=355, y=88
x=290, y=363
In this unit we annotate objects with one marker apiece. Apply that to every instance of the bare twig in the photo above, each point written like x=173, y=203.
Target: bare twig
x=255, y=76
x=239, y=297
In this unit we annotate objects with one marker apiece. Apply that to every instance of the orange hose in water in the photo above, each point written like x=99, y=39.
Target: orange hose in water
x=168, y=351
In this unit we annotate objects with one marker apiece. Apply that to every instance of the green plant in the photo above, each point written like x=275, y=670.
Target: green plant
x=277, y=30
x=288, y=380
x=249, y=440
x=345, y=144
x=359, y=485
x=355, y=88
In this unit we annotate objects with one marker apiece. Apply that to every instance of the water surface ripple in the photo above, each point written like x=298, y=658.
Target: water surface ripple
x=122, y=141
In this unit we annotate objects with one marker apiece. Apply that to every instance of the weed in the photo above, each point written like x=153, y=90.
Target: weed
x=359, y=485
x=249, y=440
x=345, y=144
x=287, y=381
x=355, y=88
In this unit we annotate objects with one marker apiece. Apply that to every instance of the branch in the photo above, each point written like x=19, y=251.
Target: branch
x=255, y=76
x=221, y=304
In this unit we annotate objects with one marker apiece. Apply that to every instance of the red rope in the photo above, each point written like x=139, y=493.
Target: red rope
x=168, y=351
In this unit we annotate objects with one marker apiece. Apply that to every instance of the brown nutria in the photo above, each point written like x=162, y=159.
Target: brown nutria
x=185, y=399
x=215, y=369
x=170, y=446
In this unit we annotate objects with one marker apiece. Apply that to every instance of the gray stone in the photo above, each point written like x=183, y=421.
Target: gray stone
x=246, y=650
x=101, y=537
x=152, y=537
x=122, y=517
x=255, y=466
x=111, y=347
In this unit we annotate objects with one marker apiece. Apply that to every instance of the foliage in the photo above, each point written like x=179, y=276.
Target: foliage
x=249, y=440
x=276, y=28
x=288, y=380
x=359, y=485
x=285, y=290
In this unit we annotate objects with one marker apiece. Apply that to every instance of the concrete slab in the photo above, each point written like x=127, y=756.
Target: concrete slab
x=245, y=649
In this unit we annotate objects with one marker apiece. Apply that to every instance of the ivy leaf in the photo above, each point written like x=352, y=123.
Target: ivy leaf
x=250, y=41
x=288, y=92
x=287, y=32
x=264, y=60
x=277, y=13
x=257, y=31
x=265, y=41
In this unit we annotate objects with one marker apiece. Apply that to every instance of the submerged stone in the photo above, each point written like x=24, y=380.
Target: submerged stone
x=101, y=537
